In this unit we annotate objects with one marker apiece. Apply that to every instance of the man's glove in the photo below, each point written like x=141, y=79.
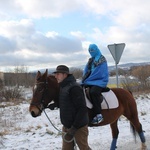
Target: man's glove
x=70, y=134
x=52, y=106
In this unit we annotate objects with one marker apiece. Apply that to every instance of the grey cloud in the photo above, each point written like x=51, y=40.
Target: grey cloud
x=40, y=48
x=57, y=44
x=21, y=44
x=6, y=45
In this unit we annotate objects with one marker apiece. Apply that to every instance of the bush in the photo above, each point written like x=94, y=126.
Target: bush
x=11, y=93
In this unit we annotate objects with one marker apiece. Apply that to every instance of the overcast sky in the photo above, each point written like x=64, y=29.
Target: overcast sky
x=46, y=33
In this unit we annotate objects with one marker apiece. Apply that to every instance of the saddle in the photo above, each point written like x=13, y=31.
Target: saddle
x=110, y=100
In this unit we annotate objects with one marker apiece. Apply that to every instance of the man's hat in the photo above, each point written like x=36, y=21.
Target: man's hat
x=62, y=69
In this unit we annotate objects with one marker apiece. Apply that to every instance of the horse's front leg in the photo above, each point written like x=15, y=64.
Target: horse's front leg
x=115, y=133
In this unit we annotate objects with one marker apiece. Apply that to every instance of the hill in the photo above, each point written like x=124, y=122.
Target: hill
x=126, y=66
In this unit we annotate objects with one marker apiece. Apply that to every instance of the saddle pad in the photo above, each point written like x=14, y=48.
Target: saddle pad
x=110, y=100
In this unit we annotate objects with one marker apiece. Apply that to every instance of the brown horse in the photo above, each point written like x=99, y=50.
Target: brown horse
x=46, y=89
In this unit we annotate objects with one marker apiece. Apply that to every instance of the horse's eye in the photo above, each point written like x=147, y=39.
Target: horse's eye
x=38, y=79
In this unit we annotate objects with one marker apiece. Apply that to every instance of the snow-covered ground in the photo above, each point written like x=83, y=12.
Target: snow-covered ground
x=20, y=131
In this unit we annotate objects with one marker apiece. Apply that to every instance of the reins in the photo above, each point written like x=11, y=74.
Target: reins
x=67, y=141
x=51, y=122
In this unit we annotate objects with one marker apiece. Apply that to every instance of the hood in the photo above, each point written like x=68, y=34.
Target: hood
x=94, y=51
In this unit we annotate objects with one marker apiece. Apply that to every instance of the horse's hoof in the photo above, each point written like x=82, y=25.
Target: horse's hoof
x=143, y=146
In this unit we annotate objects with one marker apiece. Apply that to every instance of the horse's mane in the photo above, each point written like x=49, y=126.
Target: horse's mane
x=53, y=80
x=51, y=75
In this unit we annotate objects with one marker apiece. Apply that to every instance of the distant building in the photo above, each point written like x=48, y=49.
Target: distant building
x=2, y=76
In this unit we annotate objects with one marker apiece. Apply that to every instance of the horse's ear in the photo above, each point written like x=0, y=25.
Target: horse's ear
x=38, y=72
x=38, y=75
x=46, y=73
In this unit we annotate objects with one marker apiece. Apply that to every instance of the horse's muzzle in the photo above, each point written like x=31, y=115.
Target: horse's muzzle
x=35, y=111
x=33, y=114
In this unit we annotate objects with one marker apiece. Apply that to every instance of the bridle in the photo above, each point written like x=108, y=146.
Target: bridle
x=42, y=100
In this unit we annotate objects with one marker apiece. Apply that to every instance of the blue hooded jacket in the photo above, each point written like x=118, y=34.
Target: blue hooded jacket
x=96, y=70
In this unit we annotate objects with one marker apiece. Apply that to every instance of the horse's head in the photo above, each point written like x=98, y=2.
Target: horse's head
x=44, y=91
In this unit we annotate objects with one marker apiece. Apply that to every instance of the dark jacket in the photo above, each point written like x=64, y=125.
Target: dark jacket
x=73, y=110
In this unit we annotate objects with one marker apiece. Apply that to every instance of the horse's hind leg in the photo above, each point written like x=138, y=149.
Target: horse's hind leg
x=138, y=127
x=142, y=137
x=115, y=133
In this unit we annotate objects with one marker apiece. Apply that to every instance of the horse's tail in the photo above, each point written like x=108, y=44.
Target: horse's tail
x=133, y=131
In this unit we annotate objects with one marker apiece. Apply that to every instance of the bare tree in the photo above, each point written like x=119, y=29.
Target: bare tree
x=19, y=77
x=11, y=93
x=143, y=74
x=120, y=72
x=130, y=84
x=77, y=72
x=14, y=83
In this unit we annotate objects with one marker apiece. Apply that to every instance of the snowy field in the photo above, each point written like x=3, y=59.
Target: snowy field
x=20, y=131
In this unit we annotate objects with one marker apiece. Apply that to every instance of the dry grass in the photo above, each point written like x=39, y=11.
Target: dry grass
x=4, y=132
x=11, y=114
